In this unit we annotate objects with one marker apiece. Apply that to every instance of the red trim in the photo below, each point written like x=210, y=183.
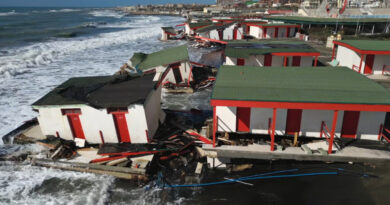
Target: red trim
x=75, y=125
x=361, y=62
x=333, y=131
x=212, y=40
x=273, y=129
x=122, y=154
x=350, y=124
x=333, y=51
x=315, y=61
x=201, y=138
x=101, y=136
x=274, y=26
x=369, y=64
x=121, y=126
x=197, y=64
x=362, y=51
x=215, y=122
x=285, y=58
x=301, y=105
x=183, y=24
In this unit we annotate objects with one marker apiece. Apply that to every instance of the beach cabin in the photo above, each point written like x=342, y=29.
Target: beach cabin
x=276, y=30
x=228, y=31
x=325, y=102
x=270, y=53
x=102, y=109
x=363, y=56
x=168, y=33
x=191, y=27
x=171, y=65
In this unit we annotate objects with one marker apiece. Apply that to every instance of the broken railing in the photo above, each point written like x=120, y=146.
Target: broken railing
x=325, y=131
x=386, y=69
x=382, y=133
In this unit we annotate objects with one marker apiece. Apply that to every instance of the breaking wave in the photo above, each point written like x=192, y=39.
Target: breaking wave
x=8, y=13
x=106, y=13
x=63, y=10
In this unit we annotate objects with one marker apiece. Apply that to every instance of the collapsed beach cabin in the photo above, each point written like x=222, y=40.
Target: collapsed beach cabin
x=325, y=102
x=169, y=33
x=363, y=56
x=277, y=30
x=270, y=53
x=191, y=27
x=227, y=31
x=171, y=65
x=102, y=109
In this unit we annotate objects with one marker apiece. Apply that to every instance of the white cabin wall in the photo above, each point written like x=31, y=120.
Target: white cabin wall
x=255, y=32
x=230, y=61
x=282, y=32
x=136, y=123
x=257, y=60
x=226, y=118
x=292, y=32
x=214, y=34
x=51, y=121
x=270, y=32
x=369, y=123
x=259, y=121
x=228, y=33
x=379, y=61
x=153, y=110
x=164, y=36
x=306, y=61
x=348, y=57
x=312, y=119
x=240, y=33
x=277, y=61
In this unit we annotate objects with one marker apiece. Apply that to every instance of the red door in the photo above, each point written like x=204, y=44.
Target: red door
x=243, y=119
x=264, y=32
x=235, y=34
x=276, y=32
x=267, y=60
x=293, y=122
x=220, y=34
x=350, y=124
x=296, y=61
x=369, y=64
x=240, y=61
x=75, y=125
x=121, y=126
x=288, y=32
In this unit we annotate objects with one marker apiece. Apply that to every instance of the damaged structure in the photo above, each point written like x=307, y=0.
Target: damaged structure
x=363, y=56
x=220, y=31
x=324, y=102
x=169, y=33
x=270, y=53
x=102, y=109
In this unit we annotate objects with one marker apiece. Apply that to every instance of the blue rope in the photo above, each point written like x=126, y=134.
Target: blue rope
x=252, y=178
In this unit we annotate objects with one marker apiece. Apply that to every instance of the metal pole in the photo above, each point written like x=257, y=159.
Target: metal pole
x=332, y=131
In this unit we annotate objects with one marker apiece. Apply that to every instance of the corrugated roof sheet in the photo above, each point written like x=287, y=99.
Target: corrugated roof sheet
x=338, y=85
x=369, y=45
x=244, y=49
x=100, y=91
x=164, y=57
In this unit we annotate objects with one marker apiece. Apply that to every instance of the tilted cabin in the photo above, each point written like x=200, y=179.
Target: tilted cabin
x=270, y=53
x=264, y=31
x=171, y=65
x=363, y=56
x=102, y=109
x=168, y=33
x=323, y=102
x=191, y=27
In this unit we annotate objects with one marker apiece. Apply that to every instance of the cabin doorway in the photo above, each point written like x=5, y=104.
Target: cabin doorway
x=350, y=124
x=296, y=61
x=240, y=61
x=177, y=73
x=74, y=122
x=276, y=32
x=293, y=121
x=235, y=30
x=243, y=119
x=121, y=126
x=369, y=64
x=267, y=60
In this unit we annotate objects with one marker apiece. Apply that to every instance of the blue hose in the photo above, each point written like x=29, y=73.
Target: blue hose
x=253, y=178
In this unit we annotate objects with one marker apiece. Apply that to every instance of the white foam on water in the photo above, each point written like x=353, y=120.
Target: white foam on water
x=25, y=184
x=63, y=10
x=8, y=13
x=29, y=72
x=106, y=13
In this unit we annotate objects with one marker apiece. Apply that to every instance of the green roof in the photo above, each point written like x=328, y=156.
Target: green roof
x=213, y=26
x=369, y=45
x=339, y=85
x=164, y=57
x=204, y=23
x=329, y=21
x=244, y=49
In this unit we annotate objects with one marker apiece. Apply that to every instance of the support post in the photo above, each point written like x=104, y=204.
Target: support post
x=273, y=130
x=285, y=61
x=333, y=51
x=333, y=131
x=315, y=61
x=214, y=125
x=361, y=62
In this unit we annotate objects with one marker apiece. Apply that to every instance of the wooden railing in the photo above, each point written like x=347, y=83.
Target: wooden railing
x=386, y=69
x=382, y=135
x=356, y=68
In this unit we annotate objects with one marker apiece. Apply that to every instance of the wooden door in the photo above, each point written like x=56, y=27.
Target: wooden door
x=296, y=61
x=350, y=124
x=121, y=126
x=293, y=121
x=243, y=119
x=369, y=64
x=267, y=60
x=75, y=125
x=240, y=61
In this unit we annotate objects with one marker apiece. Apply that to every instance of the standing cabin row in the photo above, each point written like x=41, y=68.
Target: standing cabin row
x=273, y=31
x=270, y=53
x=313, y=102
